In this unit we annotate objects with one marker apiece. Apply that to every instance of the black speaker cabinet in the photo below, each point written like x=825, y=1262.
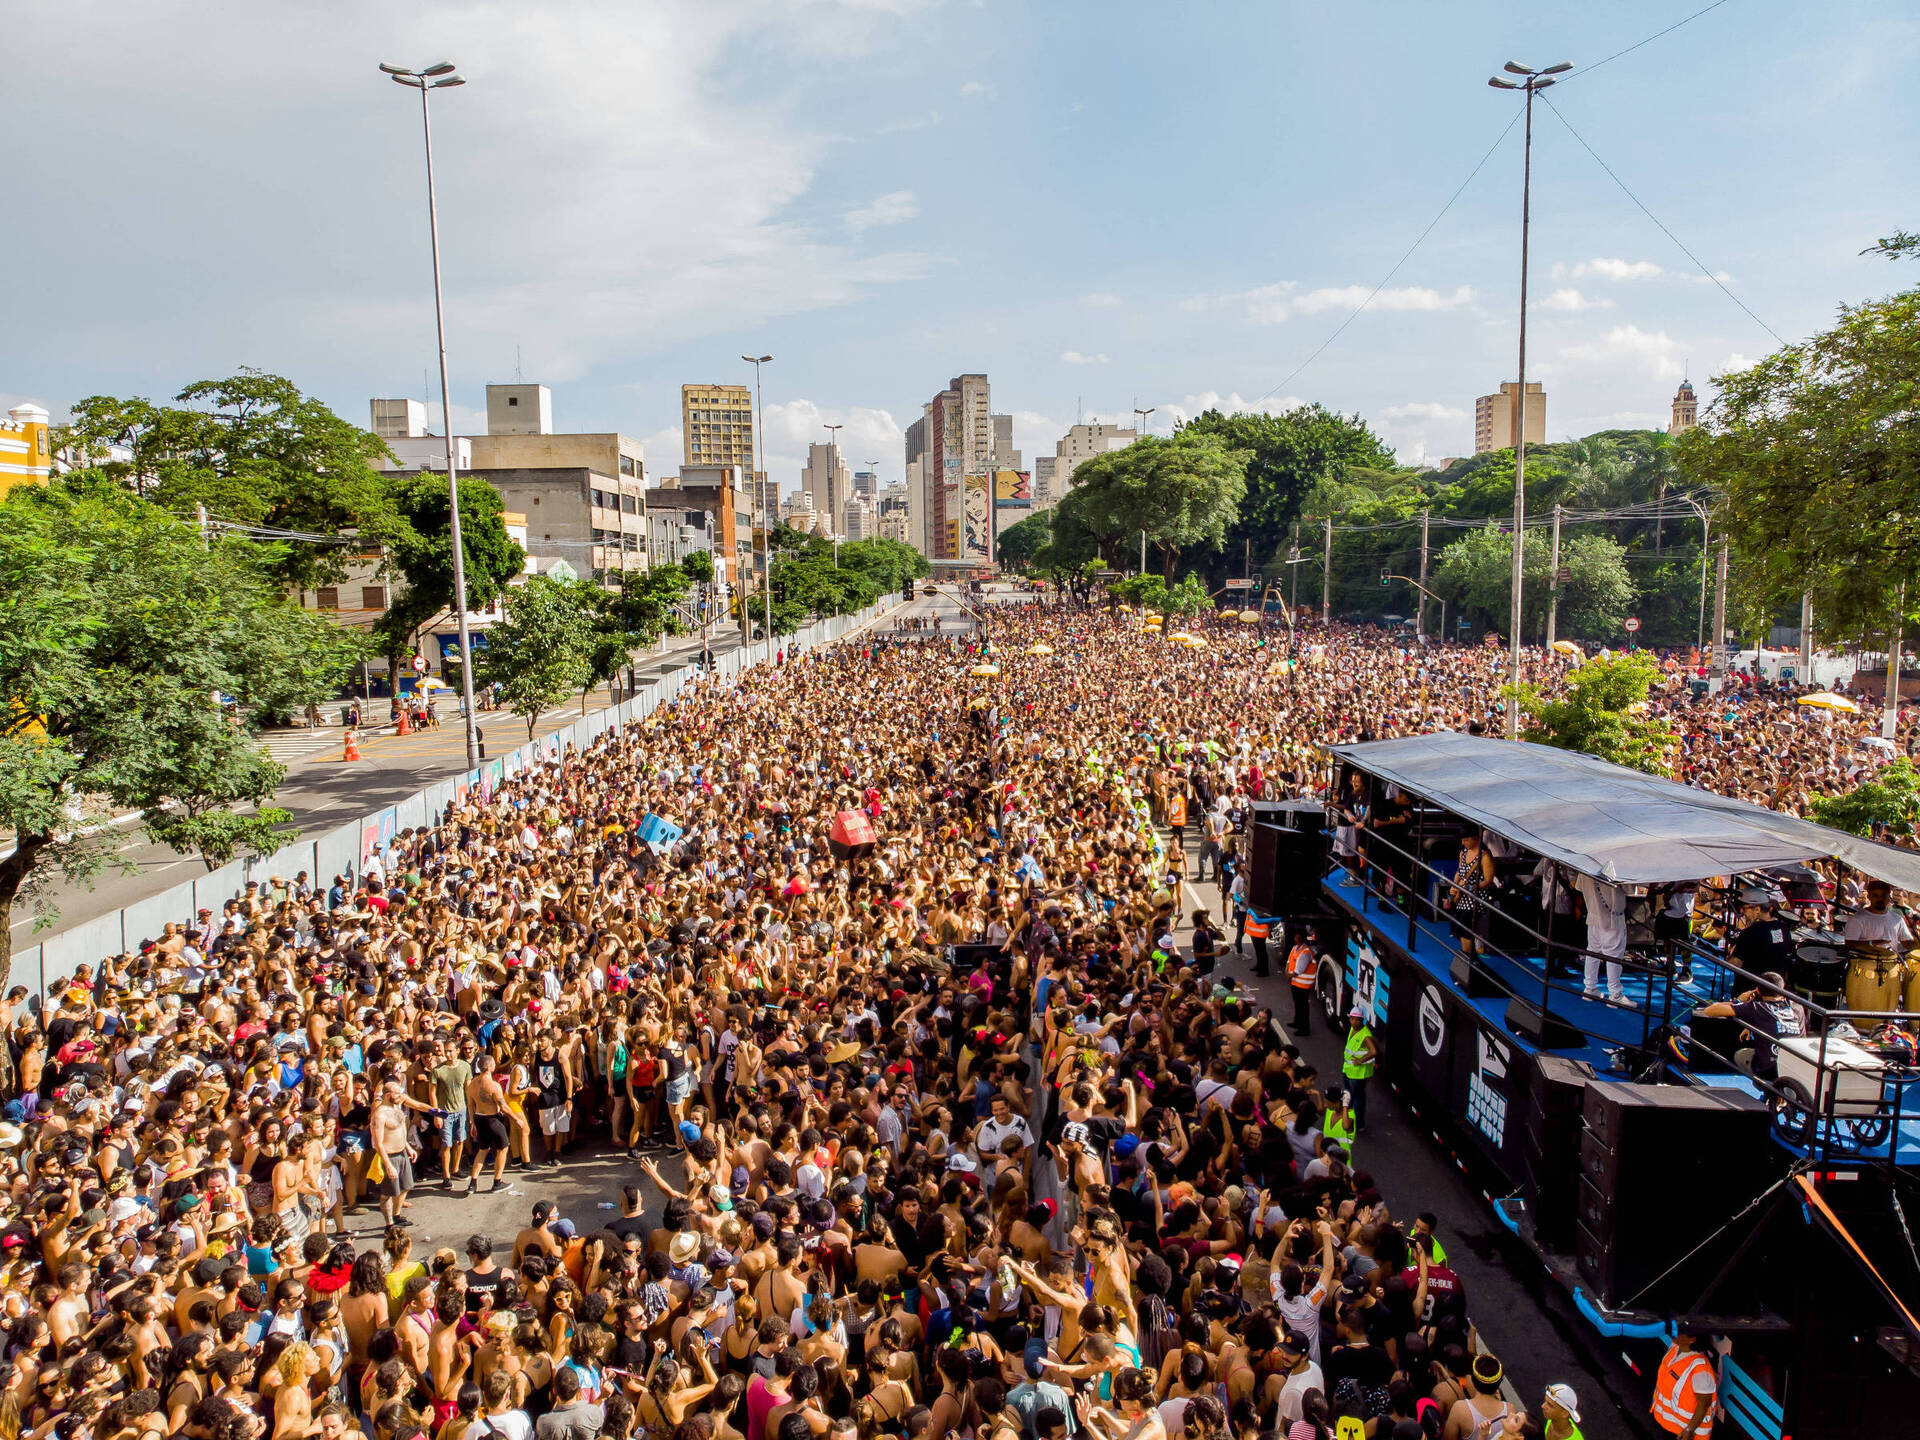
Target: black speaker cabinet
x=1307, y=816
x=1287, y=868
x=1550, y=1159
x=1548, y=1031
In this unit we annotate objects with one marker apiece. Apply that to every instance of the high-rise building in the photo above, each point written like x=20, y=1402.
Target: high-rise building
x=717, y=421
x=1686, y=409
x=1045, y=497
x=866, y=482
x=826, y=482
x=857, y=519
x=951, y=444
x=519, y=409
x=1496, y=418
x=1081, y=443
x=1005, y=457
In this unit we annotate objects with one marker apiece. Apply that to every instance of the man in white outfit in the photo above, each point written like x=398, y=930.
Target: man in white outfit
x=1606, y=934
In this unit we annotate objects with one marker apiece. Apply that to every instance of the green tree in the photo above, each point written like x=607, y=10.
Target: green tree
x=698, y=565
x=421, y=548
x=887, y=563
x=252, y=449
x=1596, y=714
x=1818, y=452
x=1288, y=455
x=119, y=634
x=1183, y=492
x=1021, y=543
x=542, y=650
x=1887, y=806
x=1475, y=572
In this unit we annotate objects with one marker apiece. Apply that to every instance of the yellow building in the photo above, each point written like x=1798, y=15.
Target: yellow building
x=718, y=423
x=1496, y=418
x=25, y=454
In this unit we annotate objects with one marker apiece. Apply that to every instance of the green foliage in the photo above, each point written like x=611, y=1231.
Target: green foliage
x=1288, y=455
x=1020, y=543
x=1475, y=573
x=1887, y=806
x=1819, y=456
x=119, y=630
x=251, y=448
x=543, y=650
x=889, y=564
x=1151, y=593
x=1901, y=245
x=698, y=565
x=422, y=549
x=1184, y=492
x=1595, y=714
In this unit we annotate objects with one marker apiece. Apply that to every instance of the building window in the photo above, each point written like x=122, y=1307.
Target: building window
x=373, y=597
x=328, y=597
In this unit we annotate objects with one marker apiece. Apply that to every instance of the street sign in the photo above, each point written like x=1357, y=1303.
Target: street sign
x=1631, y=624
x=420, y=665
x=1245, y=585
x=1563, y=576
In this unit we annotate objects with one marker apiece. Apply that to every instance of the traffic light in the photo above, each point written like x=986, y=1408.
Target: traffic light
x=1383, y=580
x=906, y=590
x=779, y=592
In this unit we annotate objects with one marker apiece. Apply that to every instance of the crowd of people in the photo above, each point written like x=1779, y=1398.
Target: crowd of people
x=964, y=1130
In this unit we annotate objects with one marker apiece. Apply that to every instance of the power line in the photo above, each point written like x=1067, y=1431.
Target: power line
x=1355, y=313
x=1657, y=221
x=1589, y=69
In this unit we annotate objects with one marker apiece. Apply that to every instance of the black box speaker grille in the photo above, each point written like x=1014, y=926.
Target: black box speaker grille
x=1287, y=866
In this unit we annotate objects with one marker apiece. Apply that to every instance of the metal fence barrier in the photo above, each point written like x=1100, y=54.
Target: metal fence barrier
x=343, y=851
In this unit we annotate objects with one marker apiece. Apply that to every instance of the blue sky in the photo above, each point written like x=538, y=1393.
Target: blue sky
x=1097, y=204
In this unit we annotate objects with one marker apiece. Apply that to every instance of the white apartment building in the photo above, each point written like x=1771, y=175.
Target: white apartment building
x=826, y=482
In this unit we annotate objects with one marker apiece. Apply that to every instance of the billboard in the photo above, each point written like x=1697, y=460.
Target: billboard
x=1012, y=489
x=976, y=532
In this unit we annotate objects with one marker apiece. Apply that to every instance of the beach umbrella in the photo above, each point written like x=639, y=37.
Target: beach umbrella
x=1249, y=617
x=1827, y=700
x=984, y=670
x=1566, y=647
x=1040, y=647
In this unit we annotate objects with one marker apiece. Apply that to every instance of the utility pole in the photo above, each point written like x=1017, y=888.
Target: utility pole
x=1293, y=564
x=1532, y=81
x=1719, y=661
x=1806, y=637
x=766, y=518
x=1553, y=582
x=1890, y=710
x=1420, y=624
x=1326, y=578
x=1143, y=552
x=200, y=514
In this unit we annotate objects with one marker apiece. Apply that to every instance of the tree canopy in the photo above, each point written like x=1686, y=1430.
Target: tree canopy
x=1182, y=492
x=542, y=649
x=1597, y=714
x=421, y=547
x=121, y=639
x=1883, y=807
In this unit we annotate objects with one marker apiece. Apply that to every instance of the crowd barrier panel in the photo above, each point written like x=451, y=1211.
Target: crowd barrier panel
x=342, y=851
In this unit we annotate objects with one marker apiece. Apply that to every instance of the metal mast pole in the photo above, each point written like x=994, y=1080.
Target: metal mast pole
x=1326, y=577
x=1890, y=709
x=1719, y=636
x=1553, y=583
x=1520, y=424
x=1420, y=624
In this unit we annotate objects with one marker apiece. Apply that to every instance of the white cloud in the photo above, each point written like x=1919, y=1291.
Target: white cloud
x=1273, y=304
x=1406, y=297
x=1423, y=431
x=580, y=269
x=1188, y=406
x=1100, y=300
x=1074, y=357
x=894, y=208
x=1567, y=298
x=976, y=88
x=869, y=434
x=1423, y=410
x=923, y=122
x=1627, y=347
x=1606, y=269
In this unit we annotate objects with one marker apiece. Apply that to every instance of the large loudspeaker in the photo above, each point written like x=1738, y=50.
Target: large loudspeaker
x=1550, y=1160
x=1286, y=868
x=1662, y=1168
x=1307, y=816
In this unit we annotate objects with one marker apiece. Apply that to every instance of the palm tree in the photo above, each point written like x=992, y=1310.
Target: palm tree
x=1594, y=472
x=1659, y=466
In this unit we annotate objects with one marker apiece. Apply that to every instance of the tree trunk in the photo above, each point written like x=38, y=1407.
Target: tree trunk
x=1169, y=557
x=14, y=872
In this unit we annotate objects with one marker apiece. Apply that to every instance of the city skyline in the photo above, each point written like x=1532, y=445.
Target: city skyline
x=809, y=223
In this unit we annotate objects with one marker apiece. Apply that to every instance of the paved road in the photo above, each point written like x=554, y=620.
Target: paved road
x=323, y=791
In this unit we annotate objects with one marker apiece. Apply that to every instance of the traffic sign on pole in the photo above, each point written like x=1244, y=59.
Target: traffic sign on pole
x=1240, y=584
x=421, y=665
x=1630, y=624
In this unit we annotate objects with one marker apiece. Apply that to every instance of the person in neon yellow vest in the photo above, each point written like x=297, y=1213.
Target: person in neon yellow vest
x=1357, y=1061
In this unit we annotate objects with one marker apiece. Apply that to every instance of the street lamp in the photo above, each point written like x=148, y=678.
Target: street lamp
x=443, y=77
x=759, y=505
x=1139, y=429
x=1530, y=81
x=833, y=487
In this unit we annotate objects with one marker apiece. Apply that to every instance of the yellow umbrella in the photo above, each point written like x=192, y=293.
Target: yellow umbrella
x=1827, y=700
x=1040, y=647
x=1126, y=609
x=1155, y=620
x=1195, y=642
x=1249, y=617
x=979, y=702
x=1566, y=647
x=984, y=670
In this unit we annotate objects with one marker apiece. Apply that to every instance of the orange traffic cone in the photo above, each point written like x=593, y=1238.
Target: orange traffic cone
x=353, y=746
x=403, y=726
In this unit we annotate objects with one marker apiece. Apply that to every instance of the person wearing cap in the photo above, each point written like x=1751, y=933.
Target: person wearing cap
x=1768, y=1014
x=1765, y=941
x=1560, y=1414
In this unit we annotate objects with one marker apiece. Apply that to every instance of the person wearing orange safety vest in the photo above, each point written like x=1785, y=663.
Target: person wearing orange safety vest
x=1303, y=968
x=1258, y=928
x=1684, y=1390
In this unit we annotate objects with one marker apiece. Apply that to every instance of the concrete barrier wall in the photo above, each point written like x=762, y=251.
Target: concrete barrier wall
x=44, y=967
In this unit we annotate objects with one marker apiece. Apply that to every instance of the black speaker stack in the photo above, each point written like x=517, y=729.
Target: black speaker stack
x=1288, y=856
x=1551, y=1160
x=1662, y=1168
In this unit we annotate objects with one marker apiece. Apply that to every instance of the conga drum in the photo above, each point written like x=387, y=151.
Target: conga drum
x=1910, y=986
x=1873, y=979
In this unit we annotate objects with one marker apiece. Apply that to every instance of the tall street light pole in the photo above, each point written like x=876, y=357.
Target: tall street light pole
x=441, y=77
x=1140, y=429
x=759, y=506
x=1531, y=81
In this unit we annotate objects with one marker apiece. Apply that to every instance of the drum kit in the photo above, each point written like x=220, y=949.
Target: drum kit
x=1831, y=971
